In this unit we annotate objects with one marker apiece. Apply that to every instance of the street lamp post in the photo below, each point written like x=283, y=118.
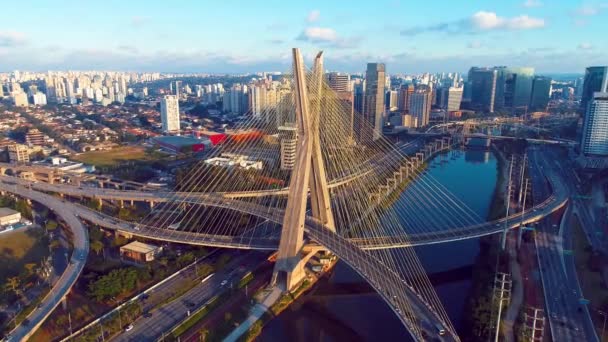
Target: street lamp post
x=196, y=266
x=603, y=324
x=119, y=314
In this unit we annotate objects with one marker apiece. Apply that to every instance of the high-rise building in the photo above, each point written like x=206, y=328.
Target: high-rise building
x=420, y=105
x=483, y=88
x=18, y=153
x=39, y=99
x=595, y=80
x=35, y=138
x=69, y=89
x=578, y=88
x=454, y=98
x=257, y=99
x=169, y=114
x=174, y=87
x=403, y=102
x=1, y=91
x=541, y=91
x=288, y=136
x=594, y=140
x=499, y=94
x=236, y=99
x=391, y=99
x=373, y=100
x=358, y=92
x=518, y=88
x=338, y=81
x=20, y=99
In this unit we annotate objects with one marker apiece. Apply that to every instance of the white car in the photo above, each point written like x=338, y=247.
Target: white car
x=224, y=282
x=129, y=327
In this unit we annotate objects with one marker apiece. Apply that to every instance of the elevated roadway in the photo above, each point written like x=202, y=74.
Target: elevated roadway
x=77, y=261
x=555, y=201
x=411, y=308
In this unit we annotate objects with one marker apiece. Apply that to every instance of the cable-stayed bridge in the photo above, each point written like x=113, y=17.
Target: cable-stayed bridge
x=328, y=178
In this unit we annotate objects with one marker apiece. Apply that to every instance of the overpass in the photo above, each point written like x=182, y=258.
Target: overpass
x=77, y=261
x=556, y=201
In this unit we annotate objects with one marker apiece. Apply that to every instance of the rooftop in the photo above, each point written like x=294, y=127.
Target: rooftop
x=7, y=212
x=178, y=140
x=140, y=247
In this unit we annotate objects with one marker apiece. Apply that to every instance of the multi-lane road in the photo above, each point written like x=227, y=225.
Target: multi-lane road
x=159, y=322
x=568, y=319
x=77, y=261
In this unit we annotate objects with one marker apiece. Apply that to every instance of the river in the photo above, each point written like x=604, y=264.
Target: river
x=324, y=315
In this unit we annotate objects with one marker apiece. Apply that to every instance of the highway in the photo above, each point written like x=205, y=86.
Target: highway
x=402, y=299
x=551, y=204
x=162, y=320
x=567, y=318
x=77, y=261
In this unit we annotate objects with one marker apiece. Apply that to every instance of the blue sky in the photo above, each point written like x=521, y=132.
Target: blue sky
x=243, y=36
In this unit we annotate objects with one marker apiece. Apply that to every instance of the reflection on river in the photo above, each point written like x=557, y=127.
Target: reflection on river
x=342, y=307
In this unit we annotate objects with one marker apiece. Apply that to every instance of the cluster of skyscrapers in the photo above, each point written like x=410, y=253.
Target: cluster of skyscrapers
x=506, y=90
x=74, y=87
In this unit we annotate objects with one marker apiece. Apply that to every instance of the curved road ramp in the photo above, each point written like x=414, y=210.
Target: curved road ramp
x=77, y=261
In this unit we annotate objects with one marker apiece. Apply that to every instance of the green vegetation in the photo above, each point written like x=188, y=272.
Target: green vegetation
x=477, y=317
x=245, y=280
x=117, y=283
x=20, y=248
x=51, y=225
x=198, y=316
x=112, y=157
x=22, y=256
x=589, y=267
x=20, y=205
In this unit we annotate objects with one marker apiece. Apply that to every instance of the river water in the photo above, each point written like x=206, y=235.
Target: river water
x=329, y=313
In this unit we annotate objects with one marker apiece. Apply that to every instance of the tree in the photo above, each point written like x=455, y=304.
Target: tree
x=24, y=208
x=51, y=225
x=95, y=234
x=114, y=284
x=14, y=282
x=30, y=268
x=97, y=247
x=94, y=203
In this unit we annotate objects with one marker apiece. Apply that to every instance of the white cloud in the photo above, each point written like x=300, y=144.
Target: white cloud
x=585, y=46
x=313, y=16
x=12, y=38
x=328, y=37
x=481, y=21
x=319, y=35
x=484, y=21
x=532, y=3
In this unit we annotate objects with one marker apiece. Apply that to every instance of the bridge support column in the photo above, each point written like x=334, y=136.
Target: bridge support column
x=308, y=173
x=151, y=205
x=64, y=303
x=519, y=236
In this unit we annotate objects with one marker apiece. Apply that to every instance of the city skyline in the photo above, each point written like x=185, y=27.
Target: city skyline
x=552, y=37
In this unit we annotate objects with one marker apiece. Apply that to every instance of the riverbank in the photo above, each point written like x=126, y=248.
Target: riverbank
x=284, y=302
x=477, y=319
